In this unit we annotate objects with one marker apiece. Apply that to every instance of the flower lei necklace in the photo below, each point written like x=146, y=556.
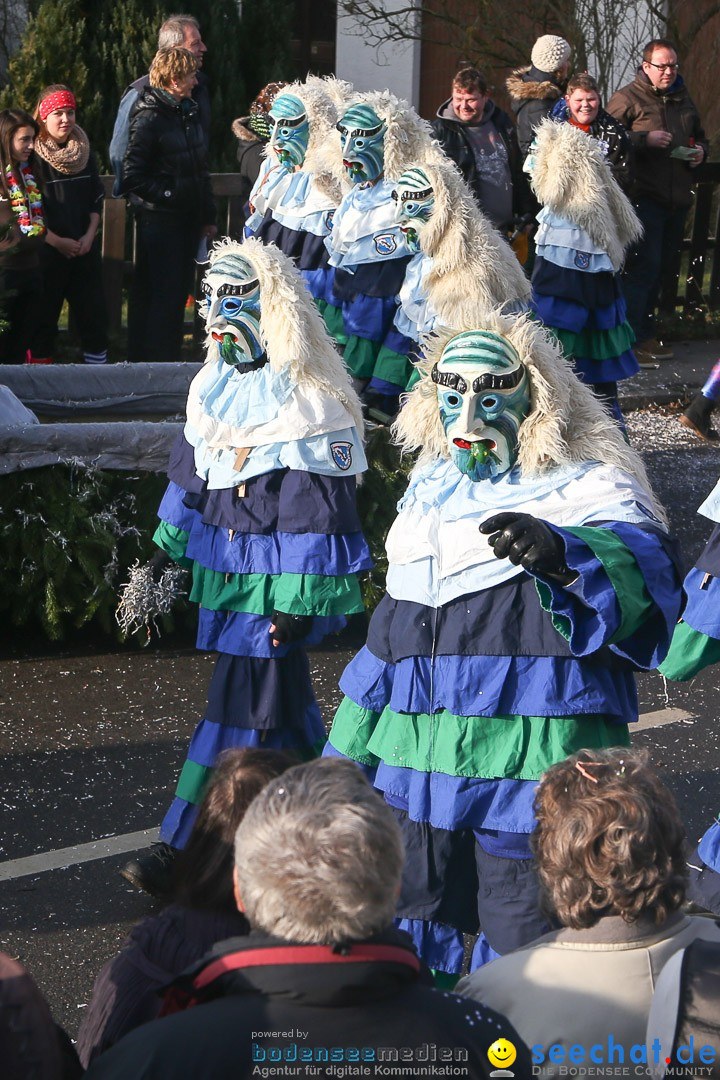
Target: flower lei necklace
x=25, y=200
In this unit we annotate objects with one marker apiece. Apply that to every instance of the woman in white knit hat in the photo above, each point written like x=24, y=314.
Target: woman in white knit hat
x=534, y=90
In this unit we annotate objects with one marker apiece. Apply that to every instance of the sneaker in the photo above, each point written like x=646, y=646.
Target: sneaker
x=646, y=359
x=656, y=349
x=153, y=871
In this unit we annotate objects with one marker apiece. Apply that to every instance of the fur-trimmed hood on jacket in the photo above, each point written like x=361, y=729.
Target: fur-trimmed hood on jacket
x=572, y=177
x=522, y=89
x=242, y=132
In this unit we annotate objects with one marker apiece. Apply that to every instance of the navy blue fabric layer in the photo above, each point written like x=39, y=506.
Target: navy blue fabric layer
x=613, y=369
x=709, y=561
x=449, y=878
x=306, y=249
x=373, y=279
x=249, y=692
x=506, y=620
x=285, y=500
x=280, y=553
x=590, y=290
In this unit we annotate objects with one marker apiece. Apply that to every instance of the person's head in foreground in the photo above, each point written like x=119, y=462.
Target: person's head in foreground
x=319, y=856
x=609, y=839
x=175, y=71
x=203, y=871
x=583, y=98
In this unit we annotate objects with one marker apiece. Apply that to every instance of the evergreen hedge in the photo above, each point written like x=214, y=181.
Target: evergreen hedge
x=69, y=534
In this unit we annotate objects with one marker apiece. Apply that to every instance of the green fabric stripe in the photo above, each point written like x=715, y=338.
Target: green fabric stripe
x=173, y=541
x=360, y=355
x=690, y=652
x=193, y=781
x=261, y=594
x=393, y=367
x=562, y=623
x=625, y=576
x=596, y=344
x=490, y=747
x=414, y=377
x=333, y=319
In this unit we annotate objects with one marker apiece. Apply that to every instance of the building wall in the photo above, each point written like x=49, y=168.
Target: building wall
x=391, y=67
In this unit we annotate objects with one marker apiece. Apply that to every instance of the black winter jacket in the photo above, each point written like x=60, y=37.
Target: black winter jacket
x=454, y=141
x=165, y=166
x=259, y=1002
x=533, y=95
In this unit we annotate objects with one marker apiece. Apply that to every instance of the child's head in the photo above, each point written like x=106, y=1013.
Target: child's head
x=55, y=112
x=204, y=870
x=17, y=136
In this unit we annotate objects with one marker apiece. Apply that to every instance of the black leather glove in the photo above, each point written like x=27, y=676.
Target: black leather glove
x=527, y=541
x=290, y=627
x=159, y=562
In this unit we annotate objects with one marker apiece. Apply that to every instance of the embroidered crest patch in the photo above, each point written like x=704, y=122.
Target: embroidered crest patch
x=582, y=260
x=385, y=243
x=342, y=455
x=329, y=220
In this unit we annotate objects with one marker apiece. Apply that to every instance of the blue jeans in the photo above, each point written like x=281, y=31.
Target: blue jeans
x=664, y=233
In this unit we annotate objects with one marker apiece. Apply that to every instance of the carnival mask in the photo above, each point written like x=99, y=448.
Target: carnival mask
x=362, y=133
x=232, y=292
x=483, y=394
x=290, y=130
x=415, y=200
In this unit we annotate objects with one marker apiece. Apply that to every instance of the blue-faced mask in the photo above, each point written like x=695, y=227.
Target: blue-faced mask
x=290, y=130
x=232, y=296
x=415, y=200
x=363, y=134
x=483, y=394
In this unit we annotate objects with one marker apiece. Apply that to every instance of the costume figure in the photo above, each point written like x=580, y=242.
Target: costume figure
x=529, y=572
x=459, y=258
x=695, y=646
x=296, y=194
x=261, y=507
x=381, y=136
x=586, y=225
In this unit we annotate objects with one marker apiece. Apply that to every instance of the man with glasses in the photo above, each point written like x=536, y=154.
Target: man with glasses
x=669, y=143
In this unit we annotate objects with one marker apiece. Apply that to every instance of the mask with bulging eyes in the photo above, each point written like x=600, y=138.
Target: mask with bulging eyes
x=232, y=296
x=483, y=392
x=362, y=134
x=415, y=200
x=290, y=130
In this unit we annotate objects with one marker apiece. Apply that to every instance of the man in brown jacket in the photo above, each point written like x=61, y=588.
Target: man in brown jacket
x=669, y=143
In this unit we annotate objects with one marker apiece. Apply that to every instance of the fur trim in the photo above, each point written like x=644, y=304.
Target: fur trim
x=322, y=99
x=528, y=90
x=242, y=132
x=294, y=333
x=571, y=175
x=472, y=264
x=567, y=424
x=409, y=139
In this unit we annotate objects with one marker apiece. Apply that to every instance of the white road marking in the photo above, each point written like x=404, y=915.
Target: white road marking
x=659, y=718
x=79, y=853
x=118, y=845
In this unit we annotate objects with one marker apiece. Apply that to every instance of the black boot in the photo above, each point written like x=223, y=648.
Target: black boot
x=153, y=871
x=697, y=418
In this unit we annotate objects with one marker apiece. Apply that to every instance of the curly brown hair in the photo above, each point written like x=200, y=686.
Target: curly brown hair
x=609, y=839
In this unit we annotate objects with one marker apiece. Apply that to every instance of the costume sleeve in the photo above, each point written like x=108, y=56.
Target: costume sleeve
x=626, y=596
x=696, y=641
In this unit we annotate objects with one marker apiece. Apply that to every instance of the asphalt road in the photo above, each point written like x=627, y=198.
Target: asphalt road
x=90, y=747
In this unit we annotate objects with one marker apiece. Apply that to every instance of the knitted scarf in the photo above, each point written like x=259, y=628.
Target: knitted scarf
x=68, y=158
x=25, y=200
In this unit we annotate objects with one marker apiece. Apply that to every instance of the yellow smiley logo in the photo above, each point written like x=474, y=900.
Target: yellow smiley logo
x=502, y=1053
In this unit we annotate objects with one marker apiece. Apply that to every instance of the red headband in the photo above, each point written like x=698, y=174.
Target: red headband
x=61, y=99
